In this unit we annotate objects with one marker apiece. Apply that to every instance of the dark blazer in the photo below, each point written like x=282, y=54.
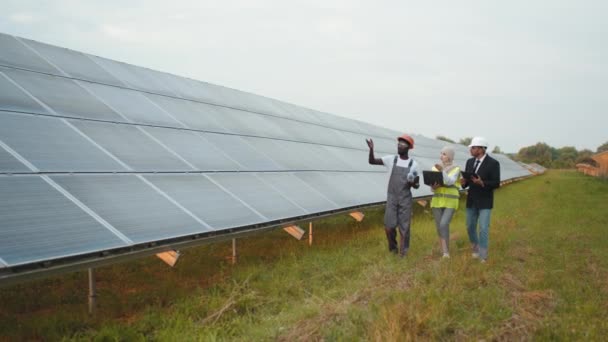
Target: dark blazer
x=489, y=171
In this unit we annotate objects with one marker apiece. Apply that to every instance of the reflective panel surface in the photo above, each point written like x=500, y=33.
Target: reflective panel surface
x=298, y=191
x=63, y=95
x=14, y=99
x=8, y=163
x=206, y=200
x=243, y=153
x=132, y=105
x=73, y=63
x=131, y=206
x=39, y=223
x=52, y=146
x=259, y=195
x=16, y=54
x=194, y=148
x=131, y=146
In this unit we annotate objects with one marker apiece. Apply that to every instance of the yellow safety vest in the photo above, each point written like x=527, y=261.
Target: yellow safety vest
x=447, y=196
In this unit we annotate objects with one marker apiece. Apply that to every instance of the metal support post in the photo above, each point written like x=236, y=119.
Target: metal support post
x=92, y=292
x=310, y=233
x=234, y=255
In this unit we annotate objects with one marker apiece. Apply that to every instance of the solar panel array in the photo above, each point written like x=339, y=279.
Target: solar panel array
x=533, y=167
x=98, y=155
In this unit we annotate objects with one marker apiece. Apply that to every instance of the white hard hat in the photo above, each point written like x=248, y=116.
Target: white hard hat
x=479, y=141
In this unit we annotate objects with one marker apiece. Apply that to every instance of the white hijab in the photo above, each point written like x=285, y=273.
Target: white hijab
x=449, y=152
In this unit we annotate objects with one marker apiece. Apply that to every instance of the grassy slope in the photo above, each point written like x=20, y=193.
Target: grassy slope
x=547, y=278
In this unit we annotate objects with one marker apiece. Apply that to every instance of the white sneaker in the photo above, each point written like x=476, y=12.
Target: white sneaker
x=483, y=261
x=445, y=256
x=475, y=255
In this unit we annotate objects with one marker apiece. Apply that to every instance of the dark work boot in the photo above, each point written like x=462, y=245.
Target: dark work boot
x=404, y=246
x=391, y=236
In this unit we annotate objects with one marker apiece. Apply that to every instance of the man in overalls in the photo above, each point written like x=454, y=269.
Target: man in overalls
x=404, y=176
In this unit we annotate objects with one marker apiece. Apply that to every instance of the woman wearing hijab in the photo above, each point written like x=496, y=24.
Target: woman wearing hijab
x=445, y=197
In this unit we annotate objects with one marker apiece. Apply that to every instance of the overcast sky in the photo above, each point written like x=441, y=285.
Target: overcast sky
x=516, y=72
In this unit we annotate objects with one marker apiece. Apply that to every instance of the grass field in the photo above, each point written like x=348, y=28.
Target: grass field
x=546, y=279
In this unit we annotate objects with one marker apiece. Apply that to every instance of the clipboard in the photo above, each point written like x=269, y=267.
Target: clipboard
x=467, y=175
x=432, y=177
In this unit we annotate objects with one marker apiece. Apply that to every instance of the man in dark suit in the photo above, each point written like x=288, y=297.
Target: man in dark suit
x=480, y=197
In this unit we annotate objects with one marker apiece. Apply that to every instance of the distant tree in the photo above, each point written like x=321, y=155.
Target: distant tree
x=584, y=157
x=540, y=153
x=441, y=137
x=603, y=147
x=566, y=158
x=496, y=150
x=465, y=141
x=584, y=154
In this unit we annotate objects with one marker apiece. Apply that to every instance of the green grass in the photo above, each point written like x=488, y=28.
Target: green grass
x=546, y=279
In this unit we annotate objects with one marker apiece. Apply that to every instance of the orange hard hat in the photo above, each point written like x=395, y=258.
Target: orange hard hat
x=407, y=138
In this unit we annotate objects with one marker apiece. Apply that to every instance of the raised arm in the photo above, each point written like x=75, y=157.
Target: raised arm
x=372, y=159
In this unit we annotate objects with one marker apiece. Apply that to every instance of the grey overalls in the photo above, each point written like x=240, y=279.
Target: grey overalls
x=398, y=208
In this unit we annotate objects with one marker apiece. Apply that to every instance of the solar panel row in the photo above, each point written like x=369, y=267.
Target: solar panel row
x=97, y=155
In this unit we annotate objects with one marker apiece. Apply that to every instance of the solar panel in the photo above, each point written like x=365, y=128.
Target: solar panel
x=51, y=145
x=132, y=105
x=64, y=96
x=72, y=63
x=325, y=184
x=349, y=159
x=99, y=156
x=131, y=206
x=301, y=193
x=10, y=164
x=39, y=224
x=242, y=152
x=132, y=146
x=254, y=124
x=137, y=78
x=198, y=116
x=259, y=195
x=18, y=55
x=207, y=200
x=14, y=99
x=283, y=152
x=195, y=148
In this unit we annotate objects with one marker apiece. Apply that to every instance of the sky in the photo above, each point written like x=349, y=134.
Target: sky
x=516, y=72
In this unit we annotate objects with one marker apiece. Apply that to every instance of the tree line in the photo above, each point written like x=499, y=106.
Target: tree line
x=545, y=155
